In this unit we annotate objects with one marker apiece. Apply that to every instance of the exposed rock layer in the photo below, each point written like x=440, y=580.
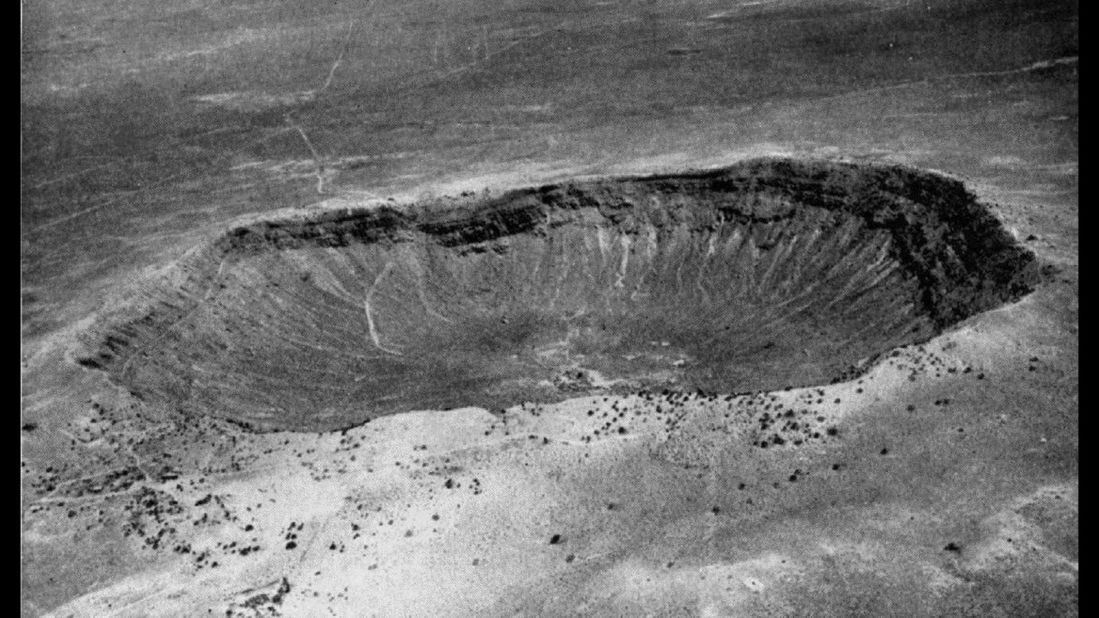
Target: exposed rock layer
x=765, y=274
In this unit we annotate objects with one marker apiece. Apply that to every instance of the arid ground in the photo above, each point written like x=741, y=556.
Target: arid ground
x=608, y=308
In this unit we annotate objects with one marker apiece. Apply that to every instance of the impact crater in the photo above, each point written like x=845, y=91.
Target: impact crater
x=766, y=274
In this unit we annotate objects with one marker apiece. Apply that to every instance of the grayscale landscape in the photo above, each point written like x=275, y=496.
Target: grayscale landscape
x=531, y=308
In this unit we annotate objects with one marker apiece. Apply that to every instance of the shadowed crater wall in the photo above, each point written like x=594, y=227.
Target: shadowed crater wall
x=765, y=274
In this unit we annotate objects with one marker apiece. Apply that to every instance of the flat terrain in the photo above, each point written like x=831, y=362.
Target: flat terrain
x=945, y=478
